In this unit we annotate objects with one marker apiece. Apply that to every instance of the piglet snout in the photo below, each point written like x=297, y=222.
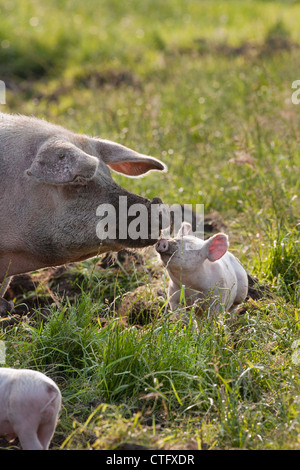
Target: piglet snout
x=162, y=246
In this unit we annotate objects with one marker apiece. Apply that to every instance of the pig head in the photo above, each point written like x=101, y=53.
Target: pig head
x=51, y=183
x=212, y=276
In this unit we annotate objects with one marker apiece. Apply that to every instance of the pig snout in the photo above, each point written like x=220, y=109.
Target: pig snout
x=162, y=246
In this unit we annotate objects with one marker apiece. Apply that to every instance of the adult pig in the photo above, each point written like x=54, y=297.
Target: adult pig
x=29, y=406
x=213, y=278
x=51, y=183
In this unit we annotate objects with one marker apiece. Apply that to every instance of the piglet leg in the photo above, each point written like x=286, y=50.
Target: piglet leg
x=29, y=439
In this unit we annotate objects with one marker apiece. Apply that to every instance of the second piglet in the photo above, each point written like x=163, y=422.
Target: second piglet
x=213, y=278
x=29, y=405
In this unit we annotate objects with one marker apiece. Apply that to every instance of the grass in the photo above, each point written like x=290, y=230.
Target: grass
x=233, y=377
x=206, y=87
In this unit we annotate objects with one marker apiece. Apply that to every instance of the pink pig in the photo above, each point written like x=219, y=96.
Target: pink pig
x=213, y=278
x=29, y=405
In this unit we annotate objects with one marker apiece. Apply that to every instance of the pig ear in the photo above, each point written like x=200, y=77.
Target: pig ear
x=63, y=164
x=217, y=245
x=126, y=161
x=184, y=229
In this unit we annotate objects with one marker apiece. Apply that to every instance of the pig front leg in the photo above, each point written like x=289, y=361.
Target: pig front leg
x=29, y=440
x=35, y=437
x=5, y=306
x=4, y=285
x=174, y=295
x=203, y=307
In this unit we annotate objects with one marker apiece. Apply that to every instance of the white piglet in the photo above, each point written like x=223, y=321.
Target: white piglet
x=29, y=406
x=213, y=278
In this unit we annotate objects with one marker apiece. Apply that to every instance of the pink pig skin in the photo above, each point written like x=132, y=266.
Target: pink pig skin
x=214, y=278
x=29, y=405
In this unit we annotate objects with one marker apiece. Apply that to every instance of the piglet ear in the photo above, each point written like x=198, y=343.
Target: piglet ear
x=217, y=246
x=184, y=229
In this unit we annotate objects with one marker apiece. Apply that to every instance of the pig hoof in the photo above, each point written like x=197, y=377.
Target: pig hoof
x=5, y=306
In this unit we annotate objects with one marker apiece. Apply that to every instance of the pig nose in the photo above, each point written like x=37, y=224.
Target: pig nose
x=162, y=246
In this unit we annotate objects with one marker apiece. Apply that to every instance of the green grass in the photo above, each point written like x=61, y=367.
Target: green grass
x=206, y=87
x=235, y=377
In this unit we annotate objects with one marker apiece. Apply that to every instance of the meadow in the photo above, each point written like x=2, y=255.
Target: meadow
x=206, y=87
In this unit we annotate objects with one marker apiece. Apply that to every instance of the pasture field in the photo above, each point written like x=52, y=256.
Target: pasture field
x=205, y=86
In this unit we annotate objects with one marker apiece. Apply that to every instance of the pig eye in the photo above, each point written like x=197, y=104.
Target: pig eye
x=62, y=155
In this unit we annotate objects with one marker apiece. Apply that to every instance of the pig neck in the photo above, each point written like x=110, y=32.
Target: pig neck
x=200, y=278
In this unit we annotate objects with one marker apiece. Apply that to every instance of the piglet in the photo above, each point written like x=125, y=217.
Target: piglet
x=29, y=405
x=214, y=279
